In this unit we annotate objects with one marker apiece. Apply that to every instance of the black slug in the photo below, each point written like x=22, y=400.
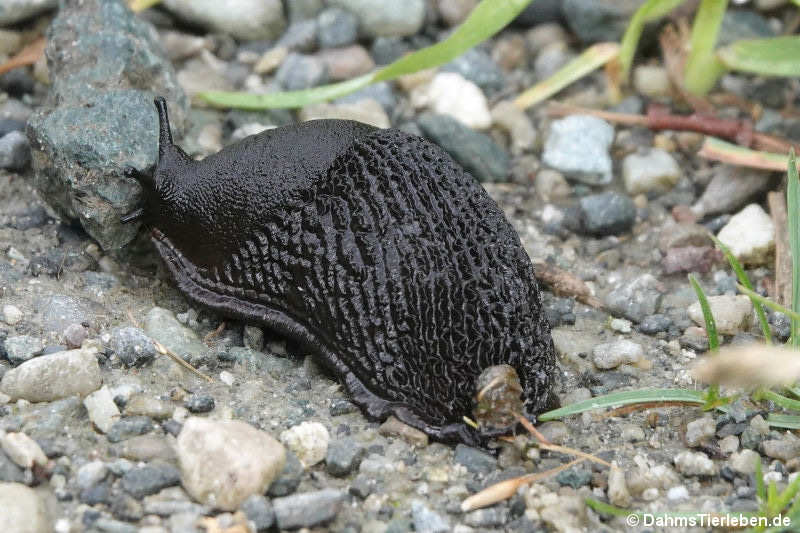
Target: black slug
x=371, y=247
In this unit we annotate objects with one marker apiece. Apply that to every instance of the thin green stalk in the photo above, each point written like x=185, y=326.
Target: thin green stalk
x=793, y=205
x=769, y=303
x=712, y=395
x=647, y=12
x=702, y=66
x=777, y=399
x=618, y=399
x=744, y=280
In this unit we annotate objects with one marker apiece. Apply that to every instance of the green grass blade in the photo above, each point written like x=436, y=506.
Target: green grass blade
x=711, y=325
x=777, y=399
x=744, y=280
x=488, y=17
x=591, y=58
x=788, y=494
x=732, y=154
x=761, y=490
x=783, y=421
x=776, y=56
x=618, y=399
x=793, y=205
x=769, y=303
x=648, y=12
x=288, y=99
x=702, y=66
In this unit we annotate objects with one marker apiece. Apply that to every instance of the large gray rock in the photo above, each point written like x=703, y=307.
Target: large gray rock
x=14, y=11
x=106, y=66
x=243, y=19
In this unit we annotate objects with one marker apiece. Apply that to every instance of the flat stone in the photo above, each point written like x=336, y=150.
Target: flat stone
x=744, y=462
x=612, y=354
x=21, y=348
x=634, y=299
x=731, y=188
x=474, y=460
x=161, y=325
x=308, y=509
x=220, y=475
x=129, y=426
x=132, y=346
x=700, y=430
x=54, y=376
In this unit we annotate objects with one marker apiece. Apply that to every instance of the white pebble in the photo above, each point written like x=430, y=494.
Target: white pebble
x=750, y=235
x=11, y=314
x=103, y=412
x=677, y=494
x=451, y=94
x=308, y=441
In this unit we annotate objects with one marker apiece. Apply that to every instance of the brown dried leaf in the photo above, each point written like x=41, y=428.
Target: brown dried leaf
x=565, y=284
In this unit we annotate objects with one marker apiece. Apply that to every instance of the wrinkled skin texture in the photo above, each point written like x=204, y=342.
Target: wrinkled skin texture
x=371, y=247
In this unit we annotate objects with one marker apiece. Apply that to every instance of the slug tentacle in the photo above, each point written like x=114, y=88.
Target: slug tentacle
x=164, y=132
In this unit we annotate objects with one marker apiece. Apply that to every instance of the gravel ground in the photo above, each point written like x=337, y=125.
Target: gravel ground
x=99, y=431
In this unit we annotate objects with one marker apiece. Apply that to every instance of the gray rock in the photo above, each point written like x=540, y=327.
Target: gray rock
x=129, y=426
x=475, y=460
x=386, y=19
x=14, y=11
x=578, y=146
x=700, y=430
x=301, y=72
x=574, y=477
x=634, y=299
x=784, y=449
x=476, y=152
x=478, y=67
x=653, y=324
x=245, y=20
x=343, y=457
x=301, y=36
x=162, y=326
x=259, y=511
x=337, y=27
x=126, y=508
x=695, y=464
x=23, y=510
x=426, y=520
x=308, y=509
x=15, y=152
x=612, y=354
x=738, y=24
x=731, y=188
x=74, y=335
x=599, y=20
x=289, y=478
x=58, y=311
x=22, y=348
x=106, y=66
x=487, y=518
x=607, y=213
x=199, y=403
x=54, y=376
x=303, y=9
x=132, y=346
x=144, y=480
x=91, y=474
x=654, y=170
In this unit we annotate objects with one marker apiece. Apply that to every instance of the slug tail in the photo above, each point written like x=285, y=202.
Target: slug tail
x=164, y=132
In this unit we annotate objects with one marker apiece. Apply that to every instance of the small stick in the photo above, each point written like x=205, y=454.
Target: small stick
x=163, y=350
x=27, y=56
x=545, y=445
x=506, y=489
x=783, y=259
x=565, y=284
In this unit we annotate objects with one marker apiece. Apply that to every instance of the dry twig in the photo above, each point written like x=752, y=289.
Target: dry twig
x=27, y=56
x=565, y=284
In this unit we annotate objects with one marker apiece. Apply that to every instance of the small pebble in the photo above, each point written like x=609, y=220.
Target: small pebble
x=700, y=430
x=15, y=152
x=394, y=428
x=22, y=449
x=652, y=171
x=610, y=355
x=54, y=376
x=309, y=442
x=695, y=464
x=732, y=314
x=750, y=235
x=199, y=403
x=578, y=146
x=308, y=509
x=12, y=314
x=103, y=412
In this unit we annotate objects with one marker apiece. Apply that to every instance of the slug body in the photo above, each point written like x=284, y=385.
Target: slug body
x=371, y=247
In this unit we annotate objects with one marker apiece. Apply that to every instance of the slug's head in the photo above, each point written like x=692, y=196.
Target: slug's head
x=159, y=188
